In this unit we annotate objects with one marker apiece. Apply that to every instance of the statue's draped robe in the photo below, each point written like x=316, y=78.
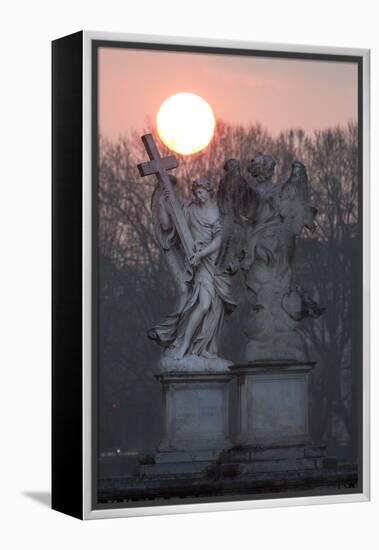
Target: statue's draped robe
x=217, y=284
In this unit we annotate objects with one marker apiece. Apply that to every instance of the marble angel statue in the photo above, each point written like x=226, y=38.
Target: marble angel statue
x=191, y=333
x=278, y=304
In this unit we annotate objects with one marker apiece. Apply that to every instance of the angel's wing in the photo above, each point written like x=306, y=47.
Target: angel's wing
x=166, y=239
x=237, y=204
x=169, y=242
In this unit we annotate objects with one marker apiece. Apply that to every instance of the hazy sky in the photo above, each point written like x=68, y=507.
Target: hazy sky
x=278, y=93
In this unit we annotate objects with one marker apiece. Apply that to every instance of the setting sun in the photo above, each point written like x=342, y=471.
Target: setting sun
x=185, y=123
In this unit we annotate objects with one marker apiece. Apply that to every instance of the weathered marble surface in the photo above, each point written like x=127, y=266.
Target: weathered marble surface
x=195, y=412
x=193, y=363
x=273, y=403
x=277, y=303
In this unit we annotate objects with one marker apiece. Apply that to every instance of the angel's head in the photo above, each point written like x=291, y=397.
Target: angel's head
x=202, y=189
x=262, y=167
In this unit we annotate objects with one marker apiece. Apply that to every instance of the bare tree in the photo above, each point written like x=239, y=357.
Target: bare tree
x=132, y=296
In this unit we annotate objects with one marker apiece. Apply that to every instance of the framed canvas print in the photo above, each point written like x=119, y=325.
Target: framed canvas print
x=210, y=275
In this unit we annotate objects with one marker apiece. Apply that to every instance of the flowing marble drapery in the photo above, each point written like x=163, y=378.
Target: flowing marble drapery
x=206, y=276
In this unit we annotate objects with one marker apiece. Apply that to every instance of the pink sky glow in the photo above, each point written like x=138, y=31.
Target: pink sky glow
x=278, y=93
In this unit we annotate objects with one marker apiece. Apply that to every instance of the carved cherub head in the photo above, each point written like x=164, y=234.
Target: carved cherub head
x=232, y=166
x=262, y=167
x=299, y=173
x=294, y=200
x=173, y=179
x=297, y=184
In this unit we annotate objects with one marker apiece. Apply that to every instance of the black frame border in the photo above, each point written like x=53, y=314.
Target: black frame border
x=67, y=365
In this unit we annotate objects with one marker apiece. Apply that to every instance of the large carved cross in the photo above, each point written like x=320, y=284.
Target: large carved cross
x=159, y=165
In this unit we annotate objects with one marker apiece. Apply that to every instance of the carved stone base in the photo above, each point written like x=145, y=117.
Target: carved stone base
x=193, y=363
x=195, y=411
x=273, y=403
x=250, y=460
x=195, y=422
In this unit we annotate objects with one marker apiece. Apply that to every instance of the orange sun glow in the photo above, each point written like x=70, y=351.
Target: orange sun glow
x=185, y=123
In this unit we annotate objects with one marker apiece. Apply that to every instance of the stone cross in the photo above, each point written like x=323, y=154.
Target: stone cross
x=159, y=165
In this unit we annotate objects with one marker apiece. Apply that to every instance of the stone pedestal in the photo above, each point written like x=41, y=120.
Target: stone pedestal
x=272, y=422
x=195, y=422
x=195, y=411
x=273, y=403
x=272, y=446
